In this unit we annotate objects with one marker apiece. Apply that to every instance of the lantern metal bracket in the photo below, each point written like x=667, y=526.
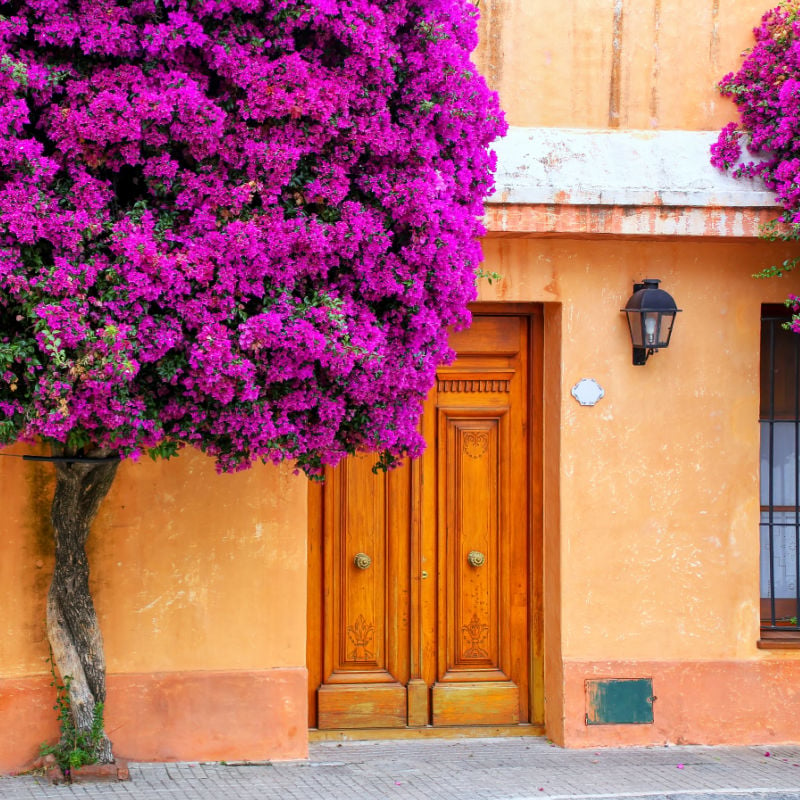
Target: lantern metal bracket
x=640, y=355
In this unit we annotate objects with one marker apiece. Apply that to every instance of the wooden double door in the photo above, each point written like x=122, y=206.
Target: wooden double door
x=423, y=583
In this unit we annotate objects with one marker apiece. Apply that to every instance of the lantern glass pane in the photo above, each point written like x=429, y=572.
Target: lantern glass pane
x=635, y=325
x=666, y=321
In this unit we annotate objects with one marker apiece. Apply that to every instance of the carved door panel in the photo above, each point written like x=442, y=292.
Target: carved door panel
x=434, y=630
x=365, y=598
x=481, y=524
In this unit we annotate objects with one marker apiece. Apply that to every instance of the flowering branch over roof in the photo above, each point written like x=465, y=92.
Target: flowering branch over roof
x=766, y=91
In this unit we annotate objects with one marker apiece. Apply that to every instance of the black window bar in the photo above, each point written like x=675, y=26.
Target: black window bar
x=780, y=472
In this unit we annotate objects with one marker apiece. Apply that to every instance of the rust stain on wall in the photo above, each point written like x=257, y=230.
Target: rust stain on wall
x=656, y=70
x=489, y=53
x=713, y=49
x=615, y=84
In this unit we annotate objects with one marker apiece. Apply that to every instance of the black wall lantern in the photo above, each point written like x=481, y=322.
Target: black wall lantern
x=651, y=313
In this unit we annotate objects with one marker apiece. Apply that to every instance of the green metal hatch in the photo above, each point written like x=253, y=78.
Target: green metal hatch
x=619, y=702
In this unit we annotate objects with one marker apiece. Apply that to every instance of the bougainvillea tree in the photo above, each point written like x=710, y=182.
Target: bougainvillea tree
x=766, y=91
x=238, y=225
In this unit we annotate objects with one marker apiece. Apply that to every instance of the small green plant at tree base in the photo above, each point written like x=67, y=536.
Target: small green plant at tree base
x=74, y=748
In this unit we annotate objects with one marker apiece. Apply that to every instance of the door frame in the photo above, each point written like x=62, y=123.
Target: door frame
x=534, y=314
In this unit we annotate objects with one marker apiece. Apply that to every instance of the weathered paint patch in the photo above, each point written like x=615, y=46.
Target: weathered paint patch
x=617, y=168
x=629, y=221
x=615, y=83
x=655, y=71
x=714, y=44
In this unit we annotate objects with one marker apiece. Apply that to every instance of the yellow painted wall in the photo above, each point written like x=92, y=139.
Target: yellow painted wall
x=657, y=536
x=614, y=63
x=190, y=569
x=192, y=573
x=659, y=480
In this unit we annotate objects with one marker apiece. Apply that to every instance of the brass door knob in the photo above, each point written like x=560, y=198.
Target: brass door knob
x=362, y=560
x=476, y=558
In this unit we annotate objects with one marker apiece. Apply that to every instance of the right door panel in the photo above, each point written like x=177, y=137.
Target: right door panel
x=481, y=528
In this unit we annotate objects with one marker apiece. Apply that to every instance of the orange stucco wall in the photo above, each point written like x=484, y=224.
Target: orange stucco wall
x=650, y=518
x=655, y=543
x=199, y=581
x=614, y=63
x=650, y=497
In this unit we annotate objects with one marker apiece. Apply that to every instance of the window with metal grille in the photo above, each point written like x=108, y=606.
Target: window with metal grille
x=780, y=476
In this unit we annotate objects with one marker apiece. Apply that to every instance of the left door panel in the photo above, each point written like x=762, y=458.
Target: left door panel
x=363, y=603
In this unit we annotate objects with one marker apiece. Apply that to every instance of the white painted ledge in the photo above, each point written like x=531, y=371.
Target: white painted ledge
x=577, y=167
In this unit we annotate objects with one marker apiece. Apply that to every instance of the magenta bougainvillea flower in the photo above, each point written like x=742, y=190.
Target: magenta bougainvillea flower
x=766, y=91
x=240, y=225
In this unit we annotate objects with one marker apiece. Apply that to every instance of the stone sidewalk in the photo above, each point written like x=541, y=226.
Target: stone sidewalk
x=458, y=769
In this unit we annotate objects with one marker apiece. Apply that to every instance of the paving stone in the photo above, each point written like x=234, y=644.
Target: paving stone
x=464, y=769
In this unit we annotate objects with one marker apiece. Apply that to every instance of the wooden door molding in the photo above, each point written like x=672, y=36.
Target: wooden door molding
x=430, y=634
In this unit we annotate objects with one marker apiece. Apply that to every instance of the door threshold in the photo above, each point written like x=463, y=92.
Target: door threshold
x=428, y=732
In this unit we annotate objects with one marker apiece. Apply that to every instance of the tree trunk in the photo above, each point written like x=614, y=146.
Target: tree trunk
x=72, y=627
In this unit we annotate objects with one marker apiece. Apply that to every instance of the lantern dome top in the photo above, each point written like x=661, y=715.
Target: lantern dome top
x=648, y=297
x=651, y=314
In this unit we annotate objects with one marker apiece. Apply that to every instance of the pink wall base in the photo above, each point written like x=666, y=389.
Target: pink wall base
x=697, y=702
x=184, y=716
